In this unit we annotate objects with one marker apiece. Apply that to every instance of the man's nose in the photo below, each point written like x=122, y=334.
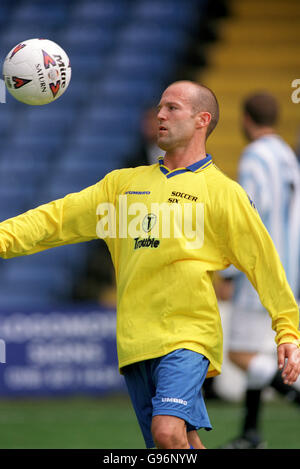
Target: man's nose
x=161, y=115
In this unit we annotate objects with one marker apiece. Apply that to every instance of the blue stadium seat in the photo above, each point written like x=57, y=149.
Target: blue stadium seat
x=7, y=118
x=87, y=39
x=14, y=33
x=45, y=277
x=77, y=160
x=134, y=93
x=74, y=256
x=73, y=180
x=11, y=205
x=53, y=120
x=11, y=188
x=129, y=64
x=37, y=143
x=54, y=258
x=24, y=166
x=102, y=120
x=104, y=12
x=15, y=193
x=173, y=12
x=74, y=97
x=20, y=297
x=86, y=66
x=144, y=36
x=27, y=284
x=38, y=129
x=23, y=175
x=5, y=13
x=20, y=154
x=35, y=12
x=48, y=274
x=102, y=145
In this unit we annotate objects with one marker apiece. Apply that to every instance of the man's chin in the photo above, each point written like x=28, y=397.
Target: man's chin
x=163, y=145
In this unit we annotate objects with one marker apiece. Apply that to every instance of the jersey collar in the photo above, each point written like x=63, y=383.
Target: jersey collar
x=195, y=167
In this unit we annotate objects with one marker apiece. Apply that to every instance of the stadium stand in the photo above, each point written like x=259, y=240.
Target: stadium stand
x=122, y=54
x=257, y=50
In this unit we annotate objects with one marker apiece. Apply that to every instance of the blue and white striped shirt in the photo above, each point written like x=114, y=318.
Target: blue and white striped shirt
x=269, y=172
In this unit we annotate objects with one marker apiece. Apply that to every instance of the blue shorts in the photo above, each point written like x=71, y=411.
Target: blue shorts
x=168, y=385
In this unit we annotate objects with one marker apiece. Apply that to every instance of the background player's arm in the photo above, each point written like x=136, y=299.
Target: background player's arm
x=71, y=219
x=255, y=181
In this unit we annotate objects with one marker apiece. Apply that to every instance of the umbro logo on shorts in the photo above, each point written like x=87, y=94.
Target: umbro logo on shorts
x=174, y=399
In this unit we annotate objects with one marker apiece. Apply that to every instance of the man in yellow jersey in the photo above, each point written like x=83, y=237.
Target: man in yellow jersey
x=168, y=226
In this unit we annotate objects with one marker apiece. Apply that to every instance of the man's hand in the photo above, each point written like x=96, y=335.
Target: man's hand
x=291, y=368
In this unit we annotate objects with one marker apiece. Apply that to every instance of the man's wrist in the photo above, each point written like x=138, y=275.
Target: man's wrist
x=289, y=340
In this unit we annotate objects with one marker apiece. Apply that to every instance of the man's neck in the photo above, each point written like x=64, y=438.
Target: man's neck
x=262, y=132
x=182, y=159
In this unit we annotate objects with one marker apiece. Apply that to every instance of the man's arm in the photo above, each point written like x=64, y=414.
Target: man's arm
x=248, y=246
x=71, y=219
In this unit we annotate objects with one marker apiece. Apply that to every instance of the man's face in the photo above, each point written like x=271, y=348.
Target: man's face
x=176, y=119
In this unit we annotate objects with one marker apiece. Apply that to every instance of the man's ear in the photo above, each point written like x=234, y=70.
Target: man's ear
x=203, y=119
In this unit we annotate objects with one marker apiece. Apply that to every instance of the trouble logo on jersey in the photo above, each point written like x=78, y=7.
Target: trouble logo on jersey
x=147, y=225
x=16, y=49
x=149, y=222
x=55, y=88
x=48, y=60
x=19, y=82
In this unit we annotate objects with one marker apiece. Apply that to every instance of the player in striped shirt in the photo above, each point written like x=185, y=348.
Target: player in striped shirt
x=270, y=174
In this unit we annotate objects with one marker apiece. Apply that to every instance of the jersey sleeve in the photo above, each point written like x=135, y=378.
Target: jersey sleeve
x=68, y=220
x=248, y=246
x=253, y=178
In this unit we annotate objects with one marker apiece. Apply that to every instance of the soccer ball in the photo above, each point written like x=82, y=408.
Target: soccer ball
x=37, y=71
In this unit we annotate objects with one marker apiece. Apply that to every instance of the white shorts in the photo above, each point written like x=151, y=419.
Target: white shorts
x=251, y=331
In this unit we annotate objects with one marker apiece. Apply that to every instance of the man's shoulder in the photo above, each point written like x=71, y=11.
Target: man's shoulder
x=218, y=176
x=254, y=150
x=120, y=177
x=132, y=171
x=264, y=146
x=220, y=184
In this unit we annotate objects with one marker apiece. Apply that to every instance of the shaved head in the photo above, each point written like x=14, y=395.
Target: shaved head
x=202, y=99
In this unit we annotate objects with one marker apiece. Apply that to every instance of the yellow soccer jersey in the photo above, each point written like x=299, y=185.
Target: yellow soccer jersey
x=167, y=231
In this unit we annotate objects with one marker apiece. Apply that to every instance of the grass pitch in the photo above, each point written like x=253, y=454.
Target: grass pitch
x=110, y=423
